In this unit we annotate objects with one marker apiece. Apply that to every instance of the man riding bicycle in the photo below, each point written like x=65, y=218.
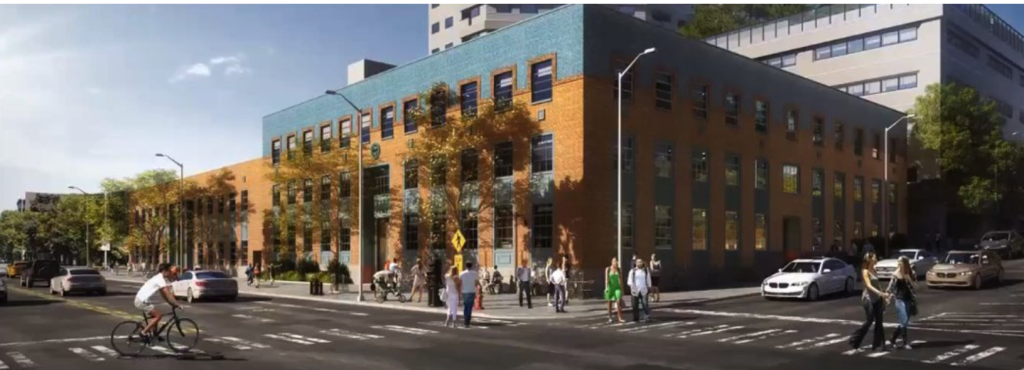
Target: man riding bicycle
x=158, y=283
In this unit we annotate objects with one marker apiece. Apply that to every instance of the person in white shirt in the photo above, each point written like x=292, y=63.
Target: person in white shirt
x=395, y=270
x=558, y=279
x=452, y=287
x=639, y=284
x=470, y=280
x=524, y=275
x=158, y=283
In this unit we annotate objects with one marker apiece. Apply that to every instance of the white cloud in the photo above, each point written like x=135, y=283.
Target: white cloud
x=198, y=69
x=230, y=65
x=236, y=69
x=225, y=59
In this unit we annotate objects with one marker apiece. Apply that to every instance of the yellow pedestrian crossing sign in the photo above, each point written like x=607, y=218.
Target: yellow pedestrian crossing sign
x=458, y=241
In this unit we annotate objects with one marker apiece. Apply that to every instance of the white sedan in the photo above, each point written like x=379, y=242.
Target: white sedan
x=920, y=262
x=195, y=285
x=810, y=279
x=78, y=279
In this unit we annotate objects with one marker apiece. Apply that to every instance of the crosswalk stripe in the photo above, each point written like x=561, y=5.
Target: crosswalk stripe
x=953, y=353
x=695, y=331
x=821, y=344
x=246, y=343
x=406, y=330
x=247, y=317
x=456, y=326
x=350, y=335
x=314, y=308
x=765, y=336
x=2, y=365
x=163, y=350
x=88, y=355
x=105, y=351
x=878, y=354
x=287, y=339
x=744, y=336
x=716, y=331
x=978, y=356
x=240, y=347
x=21, y=359
x=808, y=340
x=310, y=339
x=646, y=328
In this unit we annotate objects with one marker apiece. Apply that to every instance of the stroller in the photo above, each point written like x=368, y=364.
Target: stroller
x=384, y=285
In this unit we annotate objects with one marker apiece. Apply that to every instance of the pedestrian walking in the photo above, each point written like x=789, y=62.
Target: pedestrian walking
x=248, y=275
x=566, y=269
x=256, y=272
x=523, y=277
x=450, y=295
x=655, y=277
x=639, y=286
x=902, y=288
x=419, y=280
x=558, y=280
x=873, y=300
x=613, y=289
x=470, y=282
x=548, y=270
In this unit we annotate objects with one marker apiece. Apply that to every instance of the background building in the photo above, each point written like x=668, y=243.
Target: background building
x=453, y=24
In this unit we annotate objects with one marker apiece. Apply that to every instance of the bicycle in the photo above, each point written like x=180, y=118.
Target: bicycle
x=181, y=335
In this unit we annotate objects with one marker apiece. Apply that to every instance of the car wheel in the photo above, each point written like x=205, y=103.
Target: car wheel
x=848, y=287
x=977, y=282
x=999, y=278
x=812, y=293
x=232, y=298
x=189, y=297
x=101, y=292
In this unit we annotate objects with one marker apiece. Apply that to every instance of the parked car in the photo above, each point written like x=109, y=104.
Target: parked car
x=809, y=279
x=967, y=269
x=78, y=279
x=920, y=262
x=3, y=292
x=1007, y=243
x=39, y=270
x=14, y=270
x=195, y=285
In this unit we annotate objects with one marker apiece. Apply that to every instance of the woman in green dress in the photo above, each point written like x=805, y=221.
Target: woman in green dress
x=613, y=289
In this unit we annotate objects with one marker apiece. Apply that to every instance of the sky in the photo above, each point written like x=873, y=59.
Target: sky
x=90, y=92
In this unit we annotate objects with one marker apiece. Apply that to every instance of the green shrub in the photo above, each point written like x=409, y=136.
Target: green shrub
x=284, y=266
x=307, y=266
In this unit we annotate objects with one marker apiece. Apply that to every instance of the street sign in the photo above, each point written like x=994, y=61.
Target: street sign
x=458, y=241
x=458, y=261
x=105, y=247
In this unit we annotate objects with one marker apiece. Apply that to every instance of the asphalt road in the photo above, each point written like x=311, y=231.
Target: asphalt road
x=972, y=329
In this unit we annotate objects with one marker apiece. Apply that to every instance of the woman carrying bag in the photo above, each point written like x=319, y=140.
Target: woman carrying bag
x=902, y=288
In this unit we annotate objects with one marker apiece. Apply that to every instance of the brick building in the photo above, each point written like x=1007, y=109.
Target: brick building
x=729, y=164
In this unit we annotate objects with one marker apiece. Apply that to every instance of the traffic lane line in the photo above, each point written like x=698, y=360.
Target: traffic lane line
x=79, y=304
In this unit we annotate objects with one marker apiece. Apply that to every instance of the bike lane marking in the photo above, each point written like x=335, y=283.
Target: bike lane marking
x=86, y=354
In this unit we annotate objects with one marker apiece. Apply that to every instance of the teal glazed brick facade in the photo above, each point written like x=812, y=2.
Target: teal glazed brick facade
x=558, y=32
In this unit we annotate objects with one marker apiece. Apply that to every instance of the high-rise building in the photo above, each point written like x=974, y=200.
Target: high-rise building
x=453, y=24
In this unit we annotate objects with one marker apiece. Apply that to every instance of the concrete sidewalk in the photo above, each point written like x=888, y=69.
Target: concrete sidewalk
x=501, y=306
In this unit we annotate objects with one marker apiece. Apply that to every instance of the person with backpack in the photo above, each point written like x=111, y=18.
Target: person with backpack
x=639, y=285
x=249, y=271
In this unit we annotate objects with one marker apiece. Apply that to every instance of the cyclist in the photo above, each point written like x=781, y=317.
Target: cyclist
x=158, y=283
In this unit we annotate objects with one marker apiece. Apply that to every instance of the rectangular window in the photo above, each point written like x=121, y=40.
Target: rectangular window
x=790, y=179
x=893, y=149
x=838, y=185
x=732, y=170
x=817, y=182
x=877, y=148
x=366, y=120
x=468, y=94
x=908, y=34
x=503, y=230
x=839, y=233
x=439, y=174
x=627, y=86
x=627, y=154
x=503, y=91
x=387, y=122
x=275, y=195
x=344, y=238
x=732, y=109
x=872, y=42
x=761, y=116
x=307, y=143
x=275, y=151
x=876, y=189
x=627, y=224
x=469, y=229
x=449, y=22
x=839, y=135
x=761, y=174
x=824, y=52
x=325, y=188
x=662, y=227
x=890, y=84
x=543, y=221
x=760, y=232
x=700, y=229
x=1000, y=67
x=346, y=131
x=409, y=113
x=325, y=139
x=858, y=229
x=307, y=236
x=541, y=81
x=966, y=46
x=872, y=87
x=438, y=107
x=412, y=174
x=344, y=185
x=292, y=193
x=307, y=191
x=874, y=230
x=818, y=132
x=503, y=160
x=732, y=230
x=792, y=121
x=435, y=28
x=858, y=141
x=663, y=91
x=699, y=165
x=325, y=236
x=890, y=38
x=663, y=161
x=700, y=102
x=839, y=49
x=542, y=157
x=291, y=146
x=437, y=231
x=858, y=189
x=469, y=162
x=855, y=46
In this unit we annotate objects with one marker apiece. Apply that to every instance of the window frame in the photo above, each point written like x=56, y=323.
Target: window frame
x=503, y=100
x=790, y=179
x=469, y=107
x=662, y=89
x=537, y=94
x=387, y=126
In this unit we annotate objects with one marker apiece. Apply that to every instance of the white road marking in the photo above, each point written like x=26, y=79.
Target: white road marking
x=878, y=354
x=822, y=344
x=21, y=359
x=106, y=351
x=86, y=354
x=321, y=309
x=287, y=339
x=808, y=340
x=351, y=335
x=246, y=343
x=440, y=324
x=932, y=317
x=164, y=350
x=695, y=331
x=951, y=354
x=765, y=336
x=240, y=347
x=2, y=365
x=66, y=340
x=499, y=322
x=748, y=335
x=406, y=330
x=978, y=356
x=1001, y=304
x=721, y=330
x=646, y=328
x=309, y=339
x=254, y=318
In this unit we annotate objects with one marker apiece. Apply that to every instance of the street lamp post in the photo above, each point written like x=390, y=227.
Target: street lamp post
x=619, y=161
x=885, y=187
x=88, y=262
x=181, y=210
x=359, y=141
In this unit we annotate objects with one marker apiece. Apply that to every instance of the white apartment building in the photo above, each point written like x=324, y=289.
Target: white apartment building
x=453, y=24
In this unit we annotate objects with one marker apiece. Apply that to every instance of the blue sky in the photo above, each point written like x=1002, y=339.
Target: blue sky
x=88, y=92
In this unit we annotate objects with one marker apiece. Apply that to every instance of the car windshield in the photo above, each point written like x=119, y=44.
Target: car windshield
x=801, y=267
x=962, y=258
x=84, y=272
x=908, y=254
x=211, y=275
x=995, y=237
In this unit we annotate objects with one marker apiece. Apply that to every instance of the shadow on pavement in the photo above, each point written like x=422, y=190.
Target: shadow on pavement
x=183, y=357
x=20, y=303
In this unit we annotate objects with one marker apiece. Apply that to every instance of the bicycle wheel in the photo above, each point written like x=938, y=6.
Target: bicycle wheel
x=127, y=338
x=182, y=335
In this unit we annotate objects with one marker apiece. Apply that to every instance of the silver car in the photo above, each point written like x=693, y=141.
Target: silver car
x=194, y=285
x=78, y=279
x=1007, y=243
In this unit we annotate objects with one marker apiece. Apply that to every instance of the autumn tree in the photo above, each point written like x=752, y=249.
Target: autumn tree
x=206, y=228
x=715, y=19
x=154, y=200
